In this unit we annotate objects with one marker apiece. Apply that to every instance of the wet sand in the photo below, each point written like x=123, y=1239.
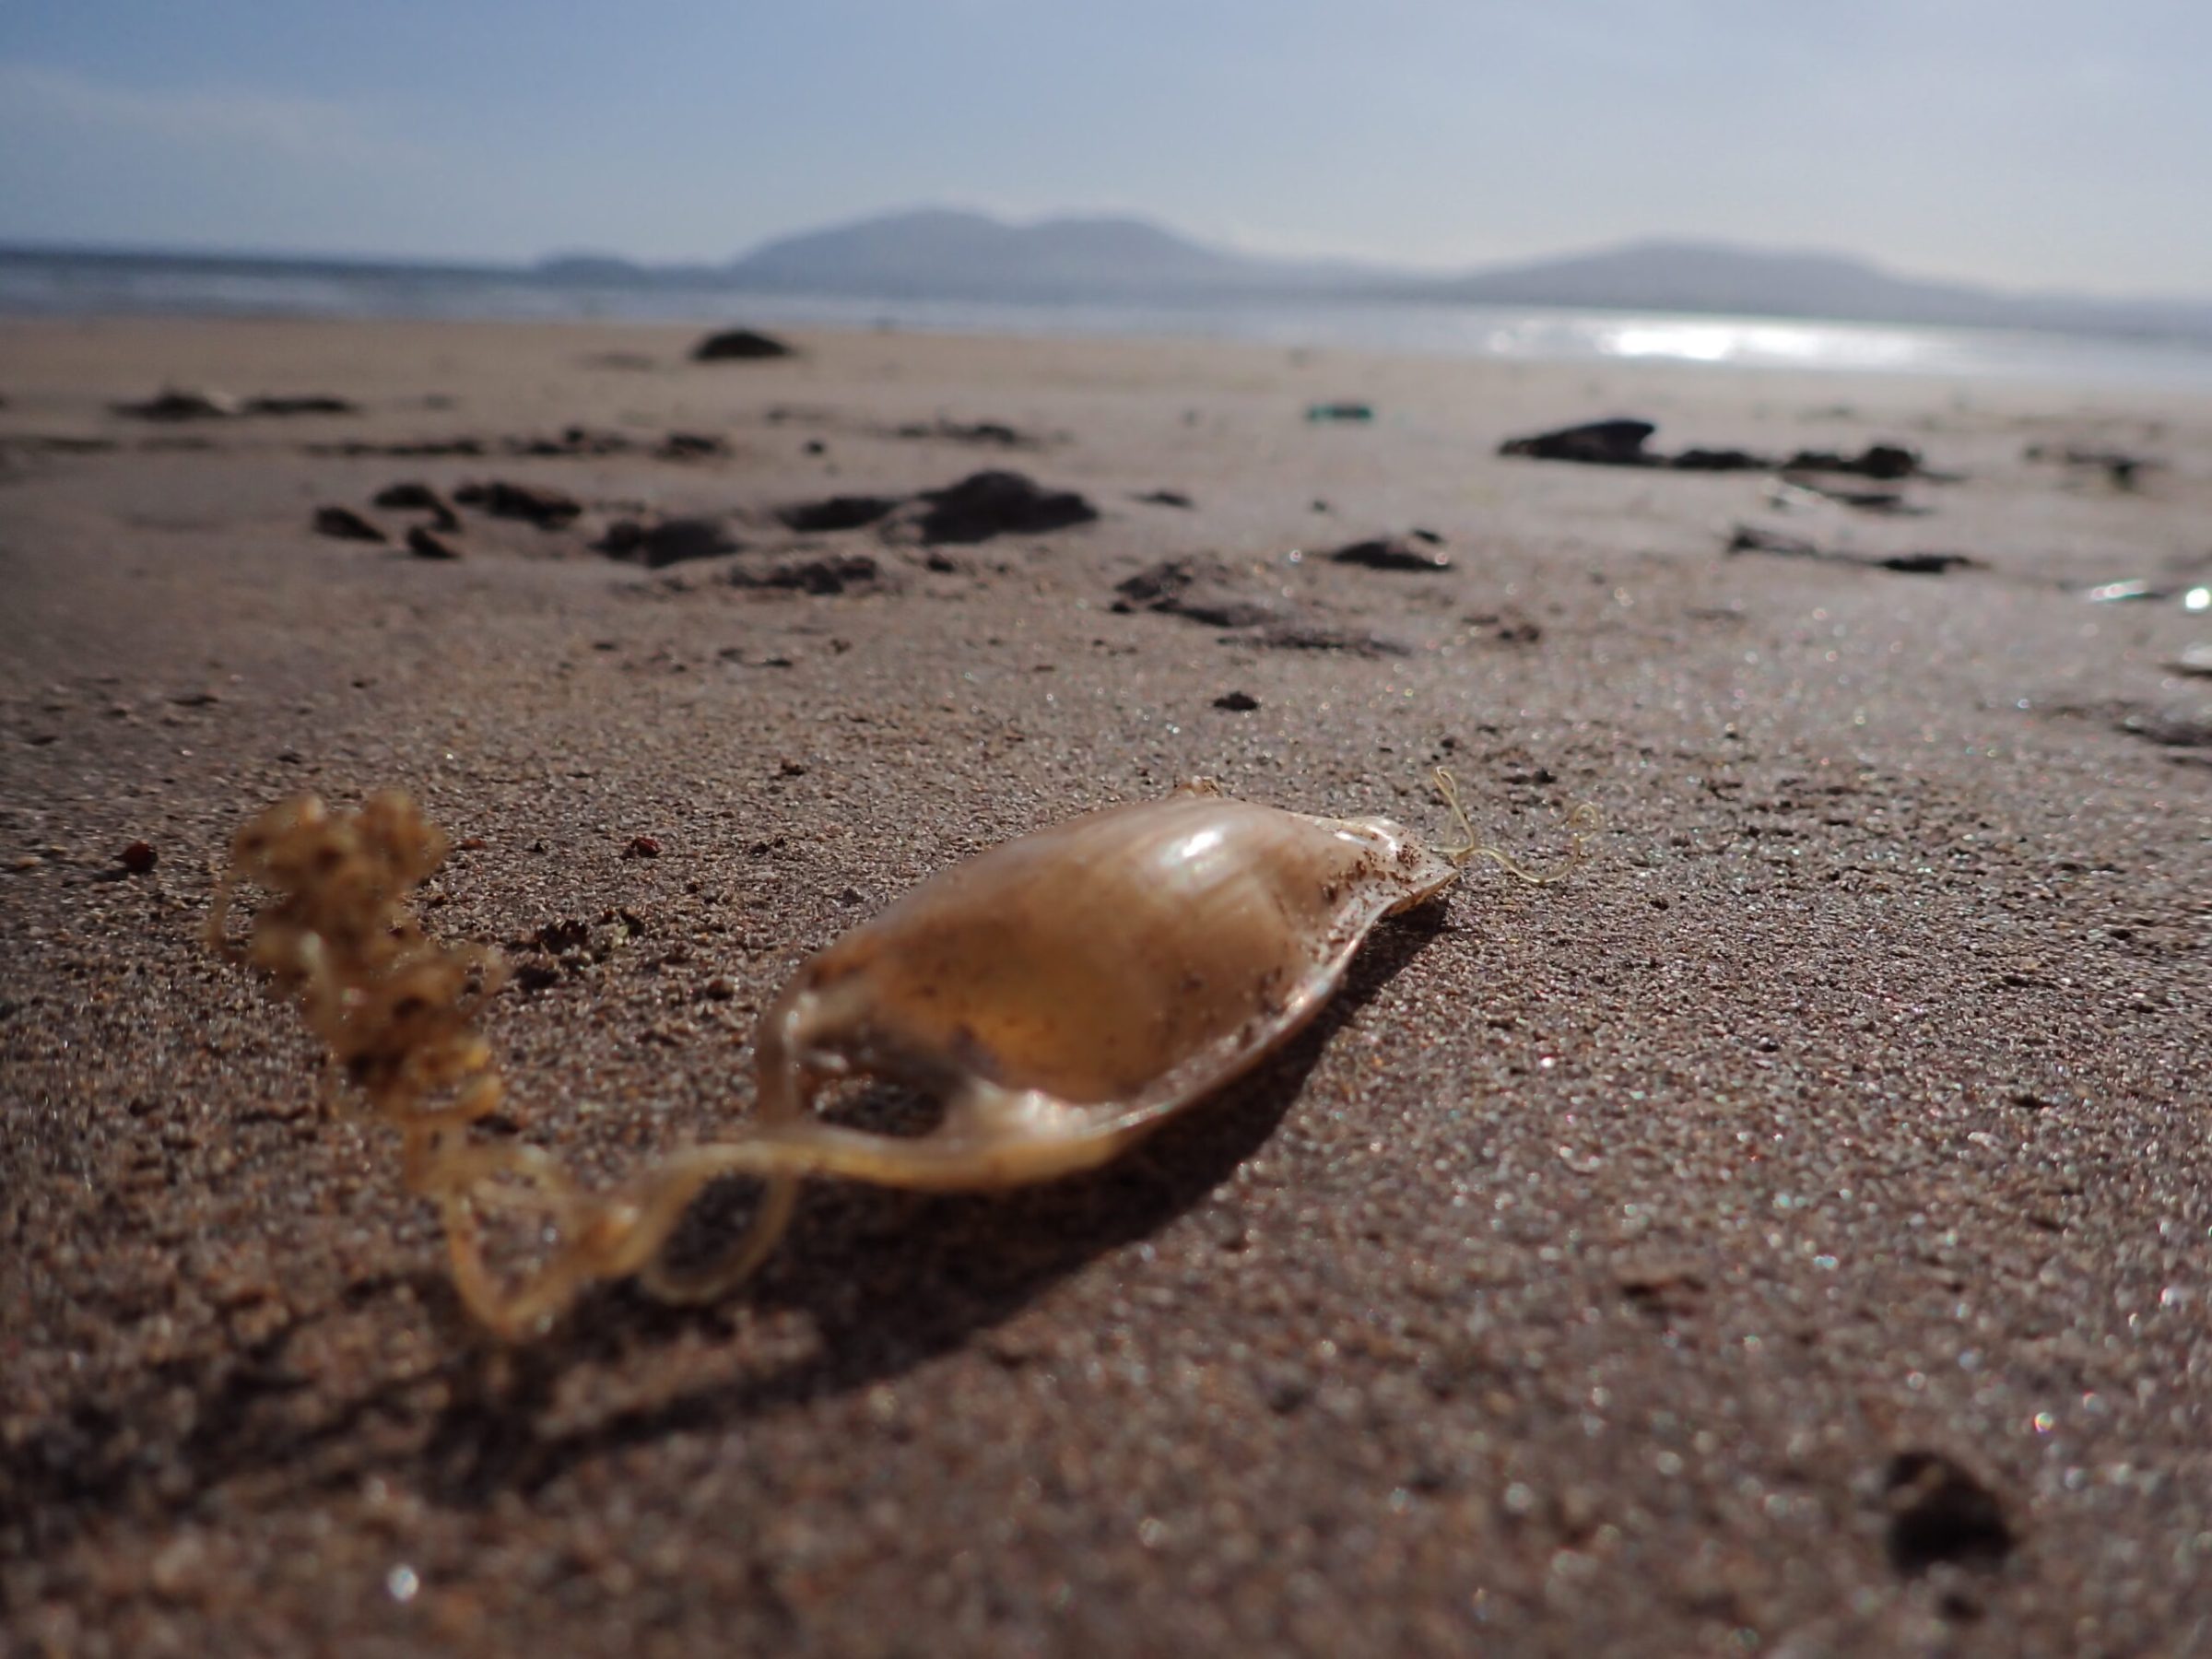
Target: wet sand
x=1790, y=1235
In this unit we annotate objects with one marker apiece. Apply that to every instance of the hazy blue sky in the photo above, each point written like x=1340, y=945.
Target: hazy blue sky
x=2026, y=142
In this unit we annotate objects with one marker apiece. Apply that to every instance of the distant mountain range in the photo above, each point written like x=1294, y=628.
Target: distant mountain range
x=940, y=253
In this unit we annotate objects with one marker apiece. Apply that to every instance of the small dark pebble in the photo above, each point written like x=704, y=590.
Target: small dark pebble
x=347, y=525
x=1720, y=460
x=1241, y=702
x=1754, y=538
x=1165, y=498
x=412, y=495
x=986, y=504
x=138, y=857
x=413, y=448
x=643, y=846
x=671, y=541
x=1615, y=443
x=570, y=933
x=693, y=446
x=540, y=504
x=738, y=344
x=818, y=576
x=1885, y=461
x=425, y=543
x=969, y=431
x=311, y=403
x=1353, y=641
x=1394, y=553
x=1940, y=1512
x=537, y=976
x=177, y=403
x=1200, y=590
x=1929, y=564
x=836, y=513
x=1285, y=1388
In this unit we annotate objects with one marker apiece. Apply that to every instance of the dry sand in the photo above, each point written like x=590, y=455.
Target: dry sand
x=1792, y=1234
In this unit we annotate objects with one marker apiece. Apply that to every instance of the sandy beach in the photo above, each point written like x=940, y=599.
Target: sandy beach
x=1790, y=1234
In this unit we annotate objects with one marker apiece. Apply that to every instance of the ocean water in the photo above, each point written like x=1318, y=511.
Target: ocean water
x=47, y=284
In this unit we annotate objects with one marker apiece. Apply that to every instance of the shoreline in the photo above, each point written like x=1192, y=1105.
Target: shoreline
x=2121, y=359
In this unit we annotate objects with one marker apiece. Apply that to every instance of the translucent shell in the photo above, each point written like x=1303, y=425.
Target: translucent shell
x=1066, y=989
x=1061, y=994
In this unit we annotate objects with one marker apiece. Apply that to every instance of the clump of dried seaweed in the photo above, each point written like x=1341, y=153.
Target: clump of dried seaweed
x=396, y=1009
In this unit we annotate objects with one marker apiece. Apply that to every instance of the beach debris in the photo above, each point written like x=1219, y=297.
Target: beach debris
x=1416, y=550
x=1939, y=1512
x=1347, y=411
x=354, y=449
x=340, y=941
x=1205, y=591
x=1718, y=461
x=1888, y=461
x=693, y=446
x=1620, y=442
x=347, y=525
x=1237, y=702
x=2123, y=470
x=986, y=504
x=821, y=576
x=667, y=541
x=310, y=403
x=413, y=497
x=2166, y=728
x=990, y=433
x=427, y=543
x=1788, y=493
x=1200, y=589
x=182, y=403
x=538, y=504
x=138, y=858
x=1059, y=996
x=838, y=512
x=179, y=403
x=57, y=443
x=1752, y=538
x=572, y=442
x=1322, y=636
x=738, y=344
x=1615, y=443
x=1165, y=498
x=185, y=404
x=1504, y=626
x=1874, y=461
x=2131, y=591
